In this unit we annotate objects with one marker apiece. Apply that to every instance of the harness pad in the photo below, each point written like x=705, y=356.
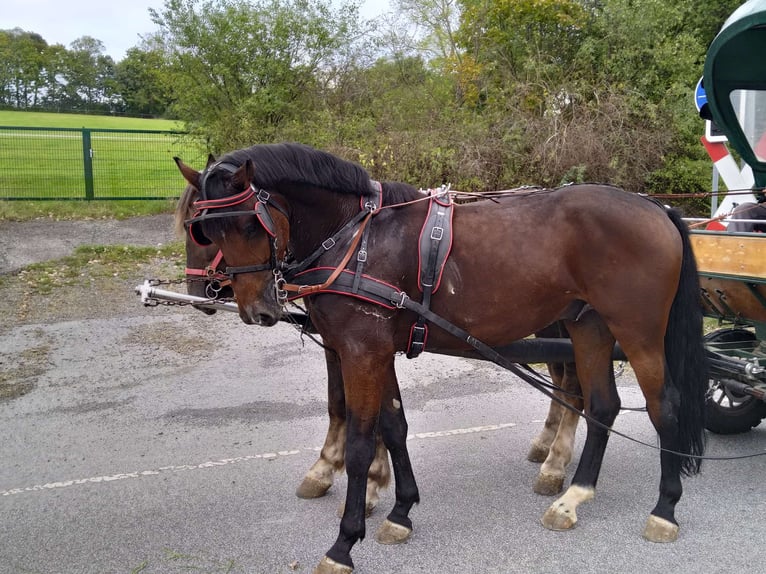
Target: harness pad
x=434, y=247
x=435, y=242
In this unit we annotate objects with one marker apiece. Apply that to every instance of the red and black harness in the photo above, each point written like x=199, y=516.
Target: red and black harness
x=294, y=280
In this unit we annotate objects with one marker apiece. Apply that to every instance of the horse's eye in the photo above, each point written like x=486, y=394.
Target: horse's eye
x=252, y=230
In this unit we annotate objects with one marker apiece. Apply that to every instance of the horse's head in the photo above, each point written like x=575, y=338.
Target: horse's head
x=205, y=265
x=248, y=225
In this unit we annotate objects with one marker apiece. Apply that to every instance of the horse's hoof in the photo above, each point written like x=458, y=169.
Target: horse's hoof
x=312, y=488
x=330, y=566
x=392, y=533
x=537, y=453
x=559, y=517
x=660, y=530
x=549, y=484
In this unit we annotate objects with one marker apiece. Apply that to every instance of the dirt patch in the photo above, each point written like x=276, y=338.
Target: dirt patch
x=85, y=296
x=89, y=295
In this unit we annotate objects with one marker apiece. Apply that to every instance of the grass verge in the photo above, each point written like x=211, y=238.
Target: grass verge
x=92, y=262
x=74, y=210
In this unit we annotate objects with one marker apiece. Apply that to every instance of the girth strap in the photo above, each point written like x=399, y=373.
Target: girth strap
x=434, y=247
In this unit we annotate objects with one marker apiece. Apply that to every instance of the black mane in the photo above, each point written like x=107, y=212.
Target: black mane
x=276, y=164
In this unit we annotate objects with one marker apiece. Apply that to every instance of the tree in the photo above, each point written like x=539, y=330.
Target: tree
x=243, y=70
x=87, y=75
x=23, y=61
x=141, y=82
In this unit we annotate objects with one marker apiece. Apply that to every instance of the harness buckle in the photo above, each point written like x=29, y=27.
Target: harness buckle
x=437, y=233
x=361, y=257
x=263, y=196
x=402, y=298
x=328, y=244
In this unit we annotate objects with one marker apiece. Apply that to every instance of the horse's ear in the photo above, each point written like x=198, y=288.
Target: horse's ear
x=190, y=175
x=244, y=175
x=210, y=160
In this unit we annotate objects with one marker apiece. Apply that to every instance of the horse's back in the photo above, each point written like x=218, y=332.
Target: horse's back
x=531, y=256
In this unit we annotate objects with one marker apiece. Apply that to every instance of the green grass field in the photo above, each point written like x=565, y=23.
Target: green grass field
x=49, y=160
x=52, y=120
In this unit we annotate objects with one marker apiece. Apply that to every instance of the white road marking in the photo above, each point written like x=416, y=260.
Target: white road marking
x=227, y=461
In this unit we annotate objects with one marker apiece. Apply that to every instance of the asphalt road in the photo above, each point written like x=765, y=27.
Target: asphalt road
x=171, y=442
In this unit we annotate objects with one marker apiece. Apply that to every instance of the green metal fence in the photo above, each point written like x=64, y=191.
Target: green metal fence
x=69, y=163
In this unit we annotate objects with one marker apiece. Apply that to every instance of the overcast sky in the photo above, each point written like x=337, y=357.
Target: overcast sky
x=119, y=24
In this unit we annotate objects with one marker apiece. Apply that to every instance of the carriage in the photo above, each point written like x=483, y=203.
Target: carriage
x=251, y=204
x=732, y=265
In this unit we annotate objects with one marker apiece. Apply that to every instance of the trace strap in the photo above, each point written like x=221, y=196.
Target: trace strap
x=375, y=291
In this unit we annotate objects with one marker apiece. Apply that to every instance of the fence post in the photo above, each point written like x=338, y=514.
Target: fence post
x=87, y=159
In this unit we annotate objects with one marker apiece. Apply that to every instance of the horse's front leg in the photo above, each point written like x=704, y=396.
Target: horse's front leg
x=369, y=377
x=320, y=476
x=393, y=427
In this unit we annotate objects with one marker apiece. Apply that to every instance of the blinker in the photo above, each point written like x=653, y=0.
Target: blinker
x=260, y=210
x=197, y=235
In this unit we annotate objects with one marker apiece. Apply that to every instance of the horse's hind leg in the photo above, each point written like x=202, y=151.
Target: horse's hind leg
x=320, y=476
x=550, y=479
x=662, y=404
x=593, y=345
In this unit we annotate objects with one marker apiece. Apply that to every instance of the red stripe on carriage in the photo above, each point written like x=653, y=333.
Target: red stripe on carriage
x=715, y=226
x=716, y=150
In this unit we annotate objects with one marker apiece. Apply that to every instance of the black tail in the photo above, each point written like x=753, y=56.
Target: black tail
x=685, y=355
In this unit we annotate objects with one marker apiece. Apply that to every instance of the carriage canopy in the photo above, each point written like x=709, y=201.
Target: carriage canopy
x=735, y=84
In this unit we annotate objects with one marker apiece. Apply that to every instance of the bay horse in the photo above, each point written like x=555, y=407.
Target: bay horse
x=553, y=446
x=619, y=268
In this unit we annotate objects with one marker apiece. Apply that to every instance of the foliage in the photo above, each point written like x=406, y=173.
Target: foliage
x=241, y=70
x=38, y=76
x=141, y=80
x=482, y=94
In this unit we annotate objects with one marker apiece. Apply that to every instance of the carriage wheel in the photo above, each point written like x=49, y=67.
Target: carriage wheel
x=729, y=412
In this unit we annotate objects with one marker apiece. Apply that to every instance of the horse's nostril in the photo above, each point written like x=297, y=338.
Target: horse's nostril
x=266, y=320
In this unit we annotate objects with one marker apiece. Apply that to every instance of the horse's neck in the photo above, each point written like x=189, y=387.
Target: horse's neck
x=313, y=223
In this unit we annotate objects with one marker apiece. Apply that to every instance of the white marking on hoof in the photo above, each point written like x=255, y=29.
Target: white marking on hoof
x=660, y=530
x=392, y=533
x=562, y=514
x=330, y=566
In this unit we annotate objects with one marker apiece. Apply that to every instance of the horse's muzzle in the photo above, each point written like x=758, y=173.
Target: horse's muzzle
x=253, y=317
